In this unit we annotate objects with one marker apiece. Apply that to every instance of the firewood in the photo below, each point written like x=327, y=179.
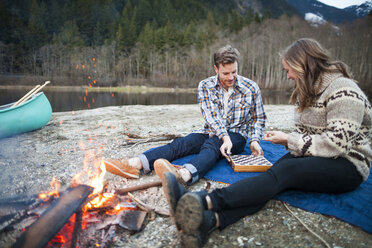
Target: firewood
x=138, y=187
x=165, y=137
x=54, y=218
x=141, y=204
x=132, y=220
x=14, y=218
x=149, y=208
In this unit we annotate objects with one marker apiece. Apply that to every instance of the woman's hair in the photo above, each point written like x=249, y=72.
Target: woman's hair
x=309, y=60
x=226, y=55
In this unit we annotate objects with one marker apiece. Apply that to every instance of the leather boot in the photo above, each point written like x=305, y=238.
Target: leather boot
x=195, y=222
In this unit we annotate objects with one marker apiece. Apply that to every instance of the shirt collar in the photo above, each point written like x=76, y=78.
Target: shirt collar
x=238, y=86
x=325, y=80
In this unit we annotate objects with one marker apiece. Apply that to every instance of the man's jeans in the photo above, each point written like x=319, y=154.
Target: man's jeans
x=208, y=150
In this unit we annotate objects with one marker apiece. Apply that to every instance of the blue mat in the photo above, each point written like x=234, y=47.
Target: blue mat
x=354, y=207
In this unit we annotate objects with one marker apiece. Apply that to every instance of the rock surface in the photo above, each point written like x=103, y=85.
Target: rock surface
x=71, y=140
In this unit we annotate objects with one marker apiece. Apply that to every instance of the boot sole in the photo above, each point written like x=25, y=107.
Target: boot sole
x=189, y=214
x=168, y=191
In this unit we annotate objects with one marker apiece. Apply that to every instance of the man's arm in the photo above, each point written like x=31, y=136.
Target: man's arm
x=258, y=119
x=210, y=111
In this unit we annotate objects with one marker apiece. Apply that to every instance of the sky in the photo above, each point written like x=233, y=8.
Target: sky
x=342, y=3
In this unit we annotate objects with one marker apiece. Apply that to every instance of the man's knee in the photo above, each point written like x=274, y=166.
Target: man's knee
x=213, y=144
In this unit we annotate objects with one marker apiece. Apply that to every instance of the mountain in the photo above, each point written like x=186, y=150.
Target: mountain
x=360, y=10
x=329, y=13
x=273, y=8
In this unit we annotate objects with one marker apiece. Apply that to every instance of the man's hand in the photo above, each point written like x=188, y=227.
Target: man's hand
x=226, y=146
x=277, y=137
x=256, y=148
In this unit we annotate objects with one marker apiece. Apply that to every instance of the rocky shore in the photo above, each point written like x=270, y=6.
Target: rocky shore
x=62, y=149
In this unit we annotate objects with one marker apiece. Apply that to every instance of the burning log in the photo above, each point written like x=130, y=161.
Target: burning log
x=14, y=209
x=54, y=218
x=77, y=228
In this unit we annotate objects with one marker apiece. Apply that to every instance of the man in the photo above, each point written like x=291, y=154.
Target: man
x=232, y=109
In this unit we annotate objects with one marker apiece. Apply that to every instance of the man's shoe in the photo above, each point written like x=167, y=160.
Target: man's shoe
x=173, y=191
x=121, y=168
x=195, y=222
x=162, y=165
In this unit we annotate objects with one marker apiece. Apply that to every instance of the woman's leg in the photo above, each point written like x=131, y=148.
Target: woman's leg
x=309, y=174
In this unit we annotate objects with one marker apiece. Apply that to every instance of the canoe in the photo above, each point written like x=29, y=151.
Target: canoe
x=28, y=116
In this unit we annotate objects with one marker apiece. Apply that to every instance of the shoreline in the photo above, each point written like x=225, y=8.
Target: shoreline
x=61, y=148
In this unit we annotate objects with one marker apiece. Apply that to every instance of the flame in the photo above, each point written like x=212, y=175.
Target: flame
x=55, y=185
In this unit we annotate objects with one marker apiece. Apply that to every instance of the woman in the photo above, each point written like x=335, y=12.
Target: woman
x=329, y=150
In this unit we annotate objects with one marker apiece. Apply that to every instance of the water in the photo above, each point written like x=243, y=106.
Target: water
x=78, y=100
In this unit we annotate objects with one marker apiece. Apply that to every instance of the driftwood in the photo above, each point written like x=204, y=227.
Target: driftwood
x=148, y=208
x=138, y=187
x=141, y=140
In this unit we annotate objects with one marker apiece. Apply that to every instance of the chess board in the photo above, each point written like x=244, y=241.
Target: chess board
x=249, y=163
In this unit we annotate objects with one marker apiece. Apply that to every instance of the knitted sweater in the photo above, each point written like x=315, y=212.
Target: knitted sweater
x=338, y=124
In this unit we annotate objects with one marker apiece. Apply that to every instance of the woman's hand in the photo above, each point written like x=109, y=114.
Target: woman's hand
x=277, y=137
x=256, y=148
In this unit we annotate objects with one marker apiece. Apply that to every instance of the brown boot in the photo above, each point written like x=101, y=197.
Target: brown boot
x=121, y=168
x=162, y=165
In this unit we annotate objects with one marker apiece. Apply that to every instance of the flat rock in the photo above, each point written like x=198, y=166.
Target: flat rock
x=73, y=143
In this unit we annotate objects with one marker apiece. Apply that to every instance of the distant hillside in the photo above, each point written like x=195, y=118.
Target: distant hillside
x=360, y=10
x=274, y=8
x=329, y=13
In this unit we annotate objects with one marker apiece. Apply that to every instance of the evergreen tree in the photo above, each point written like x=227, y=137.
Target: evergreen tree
x=210, y=28
x=146, y=36
x=70, y=35
x=37, y=34
x=189, y=34
x=126, y=35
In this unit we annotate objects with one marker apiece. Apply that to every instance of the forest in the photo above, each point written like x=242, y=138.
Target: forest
x=162, y=43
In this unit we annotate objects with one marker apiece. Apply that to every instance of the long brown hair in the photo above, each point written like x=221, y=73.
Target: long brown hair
x=309, y=60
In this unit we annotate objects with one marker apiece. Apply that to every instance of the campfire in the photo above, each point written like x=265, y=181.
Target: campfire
x=83, y=215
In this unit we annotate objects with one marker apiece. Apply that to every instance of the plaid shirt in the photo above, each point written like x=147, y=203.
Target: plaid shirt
x=245, y=112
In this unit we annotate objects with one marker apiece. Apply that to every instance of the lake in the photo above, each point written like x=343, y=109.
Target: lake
x=62, y=100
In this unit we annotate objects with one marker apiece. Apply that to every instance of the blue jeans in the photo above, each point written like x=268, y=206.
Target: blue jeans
x=207, y=150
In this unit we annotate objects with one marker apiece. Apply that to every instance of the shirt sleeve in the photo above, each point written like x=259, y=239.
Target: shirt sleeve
x=209, y=108
x=258, y=117
x=344, y=114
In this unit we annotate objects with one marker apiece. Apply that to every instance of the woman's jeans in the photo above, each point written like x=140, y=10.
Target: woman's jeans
x=207, y=150
x=308, y=174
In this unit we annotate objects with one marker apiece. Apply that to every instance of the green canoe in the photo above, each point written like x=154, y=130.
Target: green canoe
x=28, y=116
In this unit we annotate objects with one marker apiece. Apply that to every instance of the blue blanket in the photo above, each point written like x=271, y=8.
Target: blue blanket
x=354, y=207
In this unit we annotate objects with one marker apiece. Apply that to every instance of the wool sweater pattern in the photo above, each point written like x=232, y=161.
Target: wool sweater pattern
x=337, y=124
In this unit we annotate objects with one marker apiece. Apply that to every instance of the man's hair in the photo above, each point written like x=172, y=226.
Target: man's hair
x=226, y=55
